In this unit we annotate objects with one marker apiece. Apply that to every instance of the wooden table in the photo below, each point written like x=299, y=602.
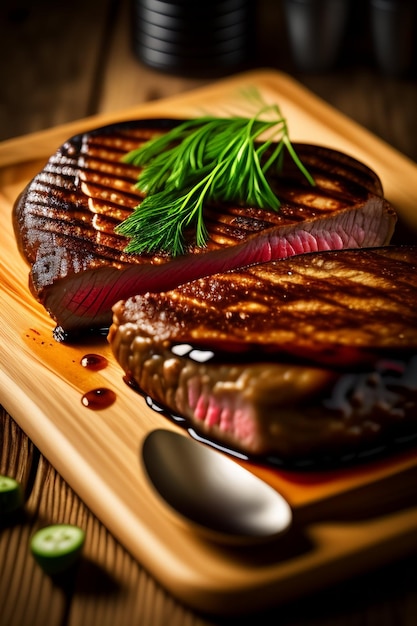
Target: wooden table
x=64, y=63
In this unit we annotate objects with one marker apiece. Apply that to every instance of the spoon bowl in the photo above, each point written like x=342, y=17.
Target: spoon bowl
x=209, y=490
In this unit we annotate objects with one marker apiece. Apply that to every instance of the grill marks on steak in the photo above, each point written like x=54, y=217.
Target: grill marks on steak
x=85, y=299
x=327, y=307
x=65, y=220
x=314, y=354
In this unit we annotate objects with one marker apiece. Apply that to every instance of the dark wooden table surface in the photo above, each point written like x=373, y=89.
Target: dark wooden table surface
x=64, y=61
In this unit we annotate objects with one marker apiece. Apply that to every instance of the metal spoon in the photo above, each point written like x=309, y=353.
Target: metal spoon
x=218, y=496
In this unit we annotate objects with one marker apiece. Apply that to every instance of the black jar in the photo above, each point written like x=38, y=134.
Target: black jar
x=194, y=37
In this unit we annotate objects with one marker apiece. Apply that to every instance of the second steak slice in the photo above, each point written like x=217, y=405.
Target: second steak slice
x=312, y=355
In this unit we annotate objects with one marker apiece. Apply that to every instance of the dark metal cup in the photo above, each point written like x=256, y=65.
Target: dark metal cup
x=393, y=31
x=315, y=31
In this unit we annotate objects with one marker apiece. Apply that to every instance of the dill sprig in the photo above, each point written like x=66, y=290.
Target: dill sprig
x=207, y=159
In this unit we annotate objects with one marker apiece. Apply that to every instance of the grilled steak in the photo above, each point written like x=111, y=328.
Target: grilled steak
x=65, y=220
x=311, y=355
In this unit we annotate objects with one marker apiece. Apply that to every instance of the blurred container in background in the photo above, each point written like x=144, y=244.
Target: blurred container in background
x=320, y=30
x=316, y=30
x=194, y=37
x=393, y=31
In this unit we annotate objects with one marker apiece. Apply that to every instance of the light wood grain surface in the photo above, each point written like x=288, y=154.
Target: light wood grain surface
x=62, y=64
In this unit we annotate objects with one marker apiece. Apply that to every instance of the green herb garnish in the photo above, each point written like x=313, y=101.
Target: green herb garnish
x=208, y=159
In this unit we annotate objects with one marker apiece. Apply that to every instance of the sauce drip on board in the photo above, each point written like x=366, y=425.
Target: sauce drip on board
x=101, y=397
x=97, y=399
x=94, y=362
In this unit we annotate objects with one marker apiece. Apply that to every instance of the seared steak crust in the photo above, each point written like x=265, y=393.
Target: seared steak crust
x=306, y=356
x=65, y=220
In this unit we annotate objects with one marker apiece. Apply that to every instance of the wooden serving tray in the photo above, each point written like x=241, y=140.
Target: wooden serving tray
x=345, y=521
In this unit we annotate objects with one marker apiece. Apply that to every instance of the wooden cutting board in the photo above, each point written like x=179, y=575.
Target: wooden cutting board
x=345, y=521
